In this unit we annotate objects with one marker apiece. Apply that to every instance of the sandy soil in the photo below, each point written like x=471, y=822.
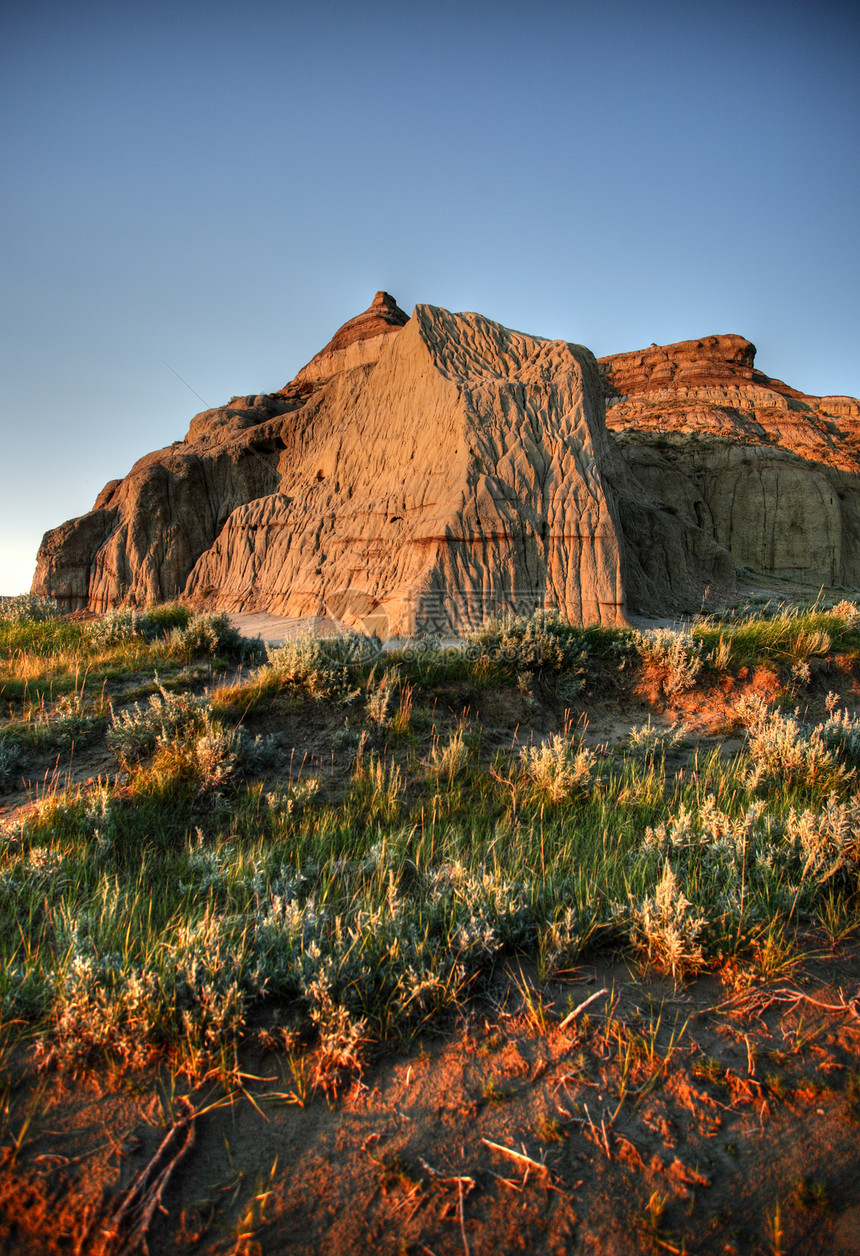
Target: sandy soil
x=719, y=1118
x=276, y=629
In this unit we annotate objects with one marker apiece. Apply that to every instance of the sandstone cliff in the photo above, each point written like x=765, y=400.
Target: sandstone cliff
x=459, y=472
x=358, y=343
x=422, y=473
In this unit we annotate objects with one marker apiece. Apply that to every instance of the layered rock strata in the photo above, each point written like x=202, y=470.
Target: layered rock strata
x=769, y=472
x=358, y=343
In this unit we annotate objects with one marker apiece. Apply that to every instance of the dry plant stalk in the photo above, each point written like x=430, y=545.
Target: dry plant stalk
x=571, y=1016
x=517, y=1156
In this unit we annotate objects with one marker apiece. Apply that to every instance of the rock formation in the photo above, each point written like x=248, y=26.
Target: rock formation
x=770, y=473
x=457, y=474
x=358, y=343
x=417, y=480
x=422, y=473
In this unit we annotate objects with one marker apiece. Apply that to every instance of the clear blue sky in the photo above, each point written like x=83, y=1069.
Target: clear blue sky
x=218, y=186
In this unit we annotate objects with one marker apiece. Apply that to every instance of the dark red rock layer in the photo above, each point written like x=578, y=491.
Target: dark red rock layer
x=708, y=362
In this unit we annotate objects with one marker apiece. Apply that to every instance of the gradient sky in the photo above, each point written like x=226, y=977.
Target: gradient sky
x=212, y=189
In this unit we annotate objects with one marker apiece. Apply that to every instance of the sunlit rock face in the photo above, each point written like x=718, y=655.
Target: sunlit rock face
x=457, y=475
x=423, y=473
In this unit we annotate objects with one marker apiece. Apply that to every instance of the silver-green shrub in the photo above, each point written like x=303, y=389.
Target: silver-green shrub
x=74, y=717
x=542, y=642
x=123, y=623
x=207, y=633
x=204, y=633
x=679, y=654
x=786, y=750
x=759, y=856
x=652, y=739
x=219, y=753
x=326, y=667
x=27, y=607
x=841, y=733
x=167, y=717
x=559, y=769
x=380, y=697
x=186, y=723
x=11, y=758
x=665, y=930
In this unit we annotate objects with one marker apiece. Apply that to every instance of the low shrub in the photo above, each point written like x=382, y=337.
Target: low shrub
x=560, y=768
x=184, y=729
x=167, y=717
x=327, y=667
x=209, y=634
x=11, y=759
x=665, y=931
x=759, y=861
x=74, y=717
x=542, y=642
x=650, y=739
x=380, y=698
x=217, y=754
x=123, y=623
x=841, y=733
x=151, y=915
x=677, y=654
x=785, y=750
x=186, y=634
x=848, y=612
x=27, y=608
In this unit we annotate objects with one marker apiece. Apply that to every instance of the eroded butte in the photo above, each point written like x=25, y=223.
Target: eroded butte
x=423, y=473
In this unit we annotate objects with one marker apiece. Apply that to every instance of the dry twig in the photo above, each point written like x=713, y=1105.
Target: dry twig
x=128, y=1225
x=462, y=1218
x=571, y=1016
x=518, y=1156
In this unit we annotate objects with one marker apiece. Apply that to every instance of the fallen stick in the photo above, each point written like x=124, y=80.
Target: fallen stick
x=787, y=995
x=463, y=1218
x=518, y=1156
x=604, y=1143
x=460, y=1181
x=760, y=1000
x=571, y=1016
x=137, y=1206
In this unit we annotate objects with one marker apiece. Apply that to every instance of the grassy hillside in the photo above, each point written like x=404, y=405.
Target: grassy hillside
x=357, y=838
x=219, y=860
